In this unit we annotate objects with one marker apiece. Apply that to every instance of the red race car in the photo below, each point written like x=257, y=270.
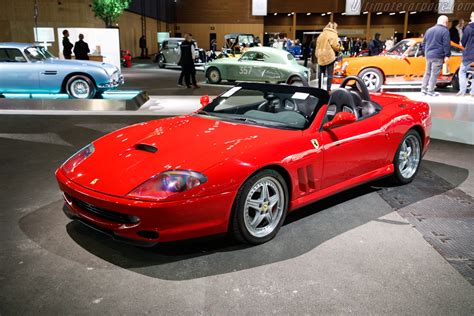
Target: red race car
x=242, y=162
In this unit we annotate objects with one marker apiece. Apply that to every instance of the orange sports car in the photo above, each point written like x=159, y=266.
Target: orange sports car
x=404, y=64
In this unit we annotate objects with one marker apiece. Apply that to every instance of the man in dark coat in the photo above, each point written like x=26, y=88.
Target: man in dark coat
x=81, y=49
x=142, y=43
x=187, y=61
x=67, y=45
x=375, y=46
x=437, y=47
x=467, y=57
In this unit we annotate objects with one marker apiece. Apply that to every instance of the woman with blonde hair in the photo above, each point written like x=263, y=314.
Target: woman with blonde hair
x=327, y=46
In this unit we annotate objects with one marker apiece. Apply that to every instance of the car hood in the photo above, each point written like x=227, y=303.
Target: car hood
x=118, y=165
x=82, y=63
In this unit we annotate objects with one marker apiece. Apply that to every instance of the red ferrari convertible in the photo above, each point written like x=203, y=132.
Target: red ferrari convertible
x=242, y=162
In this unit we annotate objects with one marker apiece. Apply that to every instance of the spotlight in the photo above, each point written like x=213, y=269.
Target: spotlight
x=343, y=13
x=365, y=12
x=379, y=13
x=309, y=13
x=402, y=12
x=275, y=13
x=323, y=14
x=391, y=13
x=329, y=13
x=413, y=12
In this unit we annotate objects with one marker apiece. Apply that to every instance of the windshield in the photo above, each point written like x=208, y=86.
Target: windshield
x=400, y=48
x=37, y=53
x=284, y=107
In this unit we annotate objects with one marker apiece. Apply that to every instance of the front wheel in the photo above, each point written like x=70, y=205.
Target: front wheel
x=407, y=159
x=373, y=79
x=260, y=208
x=80, y=87
x=161, y=61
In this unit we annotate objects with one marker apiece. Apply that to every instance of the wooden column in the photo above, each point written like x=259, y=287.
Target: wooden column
x=367, y=31
x=294, y=27
x=331, y=18
x=405, y=25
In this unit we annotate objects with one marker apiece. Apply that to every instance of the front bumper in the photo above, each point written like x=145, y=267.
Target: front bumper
x=112, y=84
x=149, y=222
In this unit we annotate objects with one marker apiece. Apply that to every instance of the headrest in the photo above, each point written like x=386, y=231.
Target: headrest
x=341, y=97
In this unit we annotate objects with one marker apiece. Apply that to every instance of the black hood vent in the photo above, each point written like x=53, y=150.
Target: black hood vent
x=146, y=147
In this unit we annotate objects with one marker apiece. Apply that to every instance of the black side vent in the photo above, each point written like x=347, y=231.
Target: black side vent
x=145, y=147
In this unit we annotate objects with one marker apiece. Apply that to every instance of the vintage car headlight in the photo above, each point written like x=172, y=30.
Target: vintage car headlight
x=167, y=183
x=77, y=158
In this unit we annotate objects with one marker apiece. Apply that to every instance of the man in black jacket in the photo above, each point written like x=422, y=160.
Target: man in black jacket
x=67, y=45
x=437, y=47
x=187, y=61
x=467, y=57
x=375, y=46
x=81, y=49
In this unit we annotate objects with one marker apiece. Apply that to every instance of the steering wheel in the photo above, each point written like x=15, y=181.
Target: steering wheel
x=358, y=86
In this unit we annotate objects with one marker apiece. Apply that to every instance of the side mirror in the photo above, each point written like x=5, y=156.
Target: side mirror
x=340, y=119
x=204, y=100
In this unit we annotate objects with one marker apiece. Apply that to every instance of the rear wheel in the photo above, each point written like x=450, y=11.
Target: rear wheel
x=80, y=87
x=373, y=79
x=214, y=76
x=455, y=82
x=408, y=157
x=260, y=208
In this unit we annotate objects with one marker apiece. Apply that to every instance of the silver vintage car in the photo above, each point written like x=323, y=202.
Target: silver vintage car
x=262, y=64
x=170, y=53
x=26, y=68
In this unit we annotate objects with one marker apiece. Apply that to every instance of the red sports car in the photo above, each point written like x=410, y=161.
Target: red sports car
x=242, y=162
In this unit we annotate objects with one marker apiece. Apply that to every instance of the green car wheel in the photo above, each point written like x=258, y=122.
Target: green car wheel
x=214, y=76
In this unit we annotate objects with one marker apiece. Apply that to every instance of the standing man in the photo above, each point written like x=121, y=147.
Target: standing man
x=187, y=61
x=375, y=46
x=467, y=57
x=142, y=44
x=327, y=46
x=437, y=47
x=81, y=49
x=67, y=45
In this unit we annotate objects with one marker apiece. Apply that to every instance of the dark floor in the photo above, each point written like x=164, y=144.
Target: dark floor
x=352, y=253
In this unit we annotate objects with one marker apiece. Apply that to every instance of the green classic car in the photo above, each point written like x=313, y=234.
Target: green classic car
x=257, y=64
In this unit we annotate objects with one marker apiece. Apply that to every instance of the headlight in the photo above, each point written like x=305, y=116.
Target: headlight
x=168, y=183
x=77, y=158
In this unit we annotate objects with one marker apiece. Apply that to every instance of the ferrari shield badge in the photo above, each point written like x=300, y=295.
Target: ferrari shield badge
x=315, y=143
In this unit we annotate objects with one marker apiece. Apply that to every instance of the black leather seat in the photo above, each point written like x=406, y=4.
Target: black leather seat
x=342, y=100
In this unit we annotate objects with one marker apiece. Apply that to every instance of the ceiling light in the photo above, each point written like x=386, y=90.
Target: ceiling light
x=365, y=12
x=402, y=12
x=289, y=14
x=275, y=13
x=343, y=13
x=379, y=13
x=413, y=12
x=309, y=13
x=329, y=13
x=292, y=13
x=391, y=13
x=323, y=14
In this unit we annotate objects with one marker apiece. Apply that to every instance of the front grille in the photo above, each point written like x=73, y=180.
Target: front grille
x=105, y=214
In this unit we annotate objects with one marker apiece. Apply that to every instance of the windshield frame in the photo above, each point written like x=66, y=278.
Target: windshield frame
x=322, y=98
x=409, y=42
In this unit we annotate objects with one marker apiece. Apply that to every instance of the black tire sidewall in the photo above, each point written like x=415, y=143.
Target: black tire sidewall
x=397, y=175
x=161, y=61
x=92, y=89
x=240, y=231
x=378, y=72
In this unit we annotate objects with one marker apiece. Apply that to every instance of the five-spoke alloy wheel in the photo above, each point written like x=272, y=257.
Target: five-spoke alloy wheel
x=260, y=207
x=408, y=157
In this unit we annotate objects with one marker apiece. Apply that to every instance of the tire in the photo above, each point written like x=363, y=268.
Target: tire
x=80, y=87
x=213, y=76
x=373, y=79
x=161, y=61
x=295, y=81
x=408, y=158
x=455, y=82
x=260, y=223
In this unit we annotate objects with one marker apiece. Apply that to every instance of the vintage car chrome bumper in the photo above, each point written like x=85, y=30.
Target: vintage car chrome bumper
x=113, y=83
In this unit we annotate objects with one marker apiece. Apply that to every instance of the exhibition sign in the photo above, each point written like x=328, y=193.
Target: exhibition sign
x=353, y=7
x=44, y=34
x=259, y=7
x=446, y=7
x=104, y=43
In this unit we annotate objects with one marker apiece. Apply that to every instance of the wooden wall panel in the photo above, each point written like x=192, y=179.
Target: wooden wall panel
x=211, y=11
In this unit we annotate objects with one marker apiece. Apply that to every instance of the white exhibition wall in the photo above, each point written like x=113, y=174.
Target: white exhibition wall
x=102, y=41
